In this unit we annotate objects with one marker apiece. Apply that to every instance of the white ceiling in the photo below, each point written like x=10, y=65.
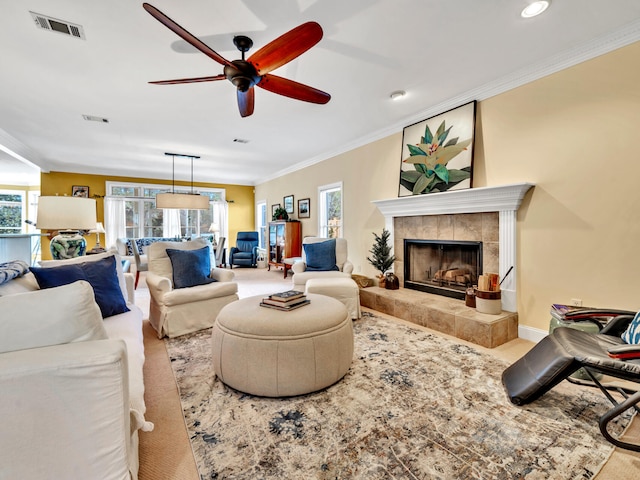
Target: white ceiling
x=442, y=52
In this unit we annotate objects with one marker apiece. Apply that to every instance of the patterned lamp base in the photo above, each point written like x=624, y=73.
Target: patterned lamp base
x=68, y=244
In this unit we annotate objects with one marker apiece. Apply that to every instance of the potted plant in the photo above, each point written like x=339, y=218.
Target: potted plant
x=381, y=257
x=280, y=214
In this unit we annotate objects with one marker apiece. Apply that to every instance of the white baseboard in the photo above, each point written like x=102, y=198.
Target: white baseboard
x=531, y=334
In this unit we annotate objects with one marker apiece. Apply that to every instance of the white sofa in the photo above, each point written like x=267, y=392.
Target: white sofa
x=72, y=398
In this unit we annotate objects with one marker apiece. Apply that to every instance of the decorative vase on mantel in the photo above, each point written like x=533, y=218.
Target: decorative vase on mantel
x=382, y=281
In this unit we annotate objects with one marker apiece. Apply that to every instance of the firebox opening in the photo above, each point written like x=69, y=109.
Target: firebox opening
x=442, y=267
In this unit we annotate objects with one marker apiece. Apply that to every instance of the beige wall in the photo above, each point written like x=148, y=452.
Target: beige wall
x=574, y=134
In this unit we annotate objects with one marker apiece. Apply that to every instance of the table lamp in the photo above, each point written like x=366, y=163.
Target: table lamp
x=214, y=228
x=69, y=216
x=98, y=230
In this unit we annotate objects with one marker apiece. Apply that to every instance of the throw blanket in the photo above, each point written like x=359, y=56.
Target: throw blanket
x=11, y=270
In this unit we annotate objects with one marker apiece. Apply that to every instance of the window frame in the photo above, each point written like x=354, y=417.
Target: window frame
x=139, y=188
x=323, y=221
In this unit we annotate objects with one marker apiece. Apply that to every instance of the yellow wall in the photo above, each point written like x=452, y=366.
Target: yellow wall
x=574, y=135
x=241, y=206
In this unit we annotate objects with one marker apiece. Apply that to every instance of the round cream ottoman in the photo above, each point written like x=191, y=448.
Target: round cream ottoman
x=271, y=353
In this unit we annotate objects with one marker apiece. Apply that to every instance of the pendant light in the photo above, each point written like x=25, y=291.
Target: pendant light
x=182, y=201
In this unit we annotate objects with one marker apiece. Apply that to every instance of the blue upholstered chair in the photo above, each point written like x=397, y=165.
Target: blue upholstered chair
x=245, y=253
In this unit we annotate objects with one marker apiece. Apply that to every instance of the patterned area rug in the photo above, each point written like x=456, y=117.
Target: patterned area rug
x=413, y=406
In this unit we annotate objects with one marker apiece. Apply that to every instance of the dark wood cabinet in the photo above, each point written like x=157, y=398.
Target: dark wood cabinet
x=285, y=241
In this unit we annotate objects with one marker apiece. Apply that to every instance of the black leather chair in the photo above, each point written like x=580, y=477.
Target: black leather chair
x=566, y=350
x=245, y=253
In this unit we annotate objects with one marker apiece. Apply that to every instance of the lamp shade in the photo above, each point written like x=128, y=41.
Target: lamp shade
x=182, y=201
x=66, y=213
x=99, y=228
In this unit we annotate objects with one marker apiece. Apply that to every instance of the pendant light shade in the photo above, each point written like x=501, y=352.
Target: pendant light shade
x=182, y=201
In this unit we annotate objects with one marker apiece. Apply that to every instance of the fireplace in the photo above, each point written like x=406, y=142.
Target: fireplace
x=497, y=204
x=442, y=267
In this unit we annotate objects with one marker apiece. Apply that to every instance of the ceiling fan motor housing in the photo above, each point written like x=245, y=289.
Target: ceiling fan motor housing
x=242, y=74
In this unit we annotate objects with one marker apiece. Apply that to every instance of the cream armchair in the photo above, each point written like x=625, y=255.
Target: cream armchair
x=344, y=266
x=176, y=311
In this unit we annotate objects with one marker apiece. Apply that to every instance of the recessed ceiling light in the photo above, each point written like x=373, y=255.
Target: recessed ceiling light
x=535, y=8
x=397, y=95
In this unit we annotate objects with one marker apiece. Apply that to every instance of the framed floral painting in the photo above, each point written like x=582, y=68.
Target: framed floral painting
x=437, y=153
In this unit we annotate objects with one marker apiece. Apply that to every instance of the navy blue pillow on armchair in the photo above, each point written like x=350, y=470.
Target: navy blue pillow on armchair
x=190, y=267
x=320, y=256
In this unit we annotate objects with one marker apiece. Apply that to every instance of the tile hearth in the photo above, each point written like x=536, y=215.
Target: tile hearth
x=446, y=315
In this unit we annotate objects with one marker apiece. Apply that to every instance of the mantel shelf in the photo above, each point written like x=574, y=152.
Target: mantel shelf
x=472, y=200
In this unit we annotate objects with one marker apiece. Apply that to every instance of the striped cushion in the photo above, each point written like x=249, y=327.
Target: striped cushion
x=632, y=333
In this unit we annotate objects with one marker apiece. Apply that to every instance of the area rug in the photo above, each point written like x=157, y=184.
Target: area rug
x=413, y=405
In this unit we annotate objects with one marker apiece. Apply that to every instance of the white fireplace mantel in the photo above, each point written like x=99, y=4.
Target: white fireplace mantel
x=504, y=199
x=470, y=200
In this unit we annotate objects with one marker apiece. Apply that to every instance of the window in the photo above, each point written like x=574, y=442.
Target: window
x=330, y=210
x=261, y=223
x=12, y=211
x=143, y=219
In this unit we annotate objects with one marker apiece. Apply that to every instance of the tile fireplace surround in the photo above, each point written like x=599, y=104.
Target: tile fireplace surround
x=486, y=214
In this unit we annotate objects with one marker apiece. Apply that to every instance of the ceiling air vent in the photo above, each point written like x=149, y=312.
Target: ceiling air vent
x=56, y=25
x=93, y=118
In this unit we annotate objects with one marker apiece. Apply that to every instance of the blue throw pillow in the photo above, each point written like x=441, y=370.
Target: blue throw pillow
x=190, y=267
x=101, y=275
x=632, y=334
x=321, y=256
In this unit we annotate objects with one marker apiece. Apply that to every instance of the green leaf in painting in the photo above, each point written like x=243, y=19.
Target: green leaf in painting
x=413, y=150
x=421, y=184
x=456, y=175
x=421, y=167
x=410, y=176
x=443, y=136
x=442, y=173
x=428, y=137
x=440, y=129
x=453, y=141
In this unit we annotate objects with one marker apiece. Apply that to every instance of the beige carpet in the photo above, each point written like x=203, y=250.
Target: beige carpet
x=165, y=453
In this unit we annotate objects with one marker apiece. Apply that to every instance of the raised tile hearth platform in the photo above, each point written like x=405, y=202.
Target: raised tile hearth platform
x=446, y=315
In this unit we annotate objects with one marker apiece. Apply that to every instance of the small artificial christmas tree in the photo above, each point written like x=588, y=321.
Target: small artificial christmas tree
x=381, y=257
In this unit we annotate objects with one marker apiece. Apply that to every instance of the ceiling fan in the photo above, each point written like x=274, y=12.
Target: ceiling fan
x=254, y=71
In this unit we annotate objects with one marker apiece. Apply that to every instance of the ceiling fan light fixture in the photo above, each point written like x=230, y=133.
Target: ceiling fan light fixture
x=535, y=8
x=397, y=95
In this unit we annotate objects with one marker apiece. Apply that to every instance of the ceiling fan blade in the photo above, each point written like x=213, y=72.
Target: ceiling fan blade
x=246, y=101
x=286, y=47
x=185, y=35
x=190, y=80
x=291, y=89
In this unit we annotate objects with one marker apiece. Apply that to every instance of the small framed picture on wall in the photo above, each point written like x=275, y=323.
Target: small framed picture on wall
x=303, y=208
x=80, y=191
x=288, y=203
x=274, y=207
